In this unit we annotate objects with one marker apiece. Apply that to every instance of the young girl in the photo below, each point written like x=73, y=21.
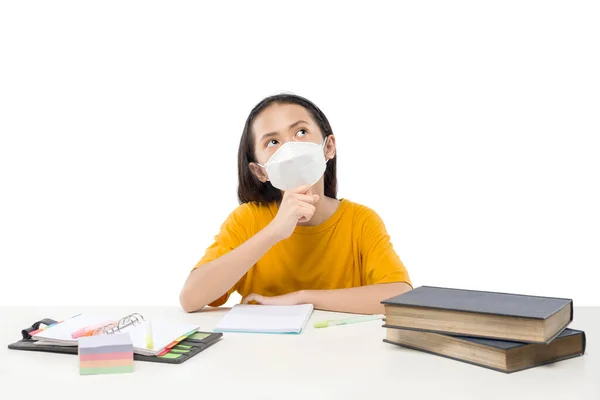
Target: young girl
x=291, y=241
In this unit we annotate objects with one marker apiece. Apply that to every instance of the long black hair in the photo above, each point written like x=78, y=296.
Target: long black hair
x=249, y=187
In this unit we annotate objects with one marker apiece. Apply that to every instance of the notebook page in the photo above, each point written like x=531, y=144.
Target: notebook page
x=266, y=318
x=62, y=331
x=54, y=343
x=164, y=332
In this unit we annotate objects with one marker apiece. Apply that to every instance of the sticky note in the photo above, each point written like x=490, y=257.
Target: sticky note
x=162, y=353
x=199, y=335
x=171, y=355
x=105, y=354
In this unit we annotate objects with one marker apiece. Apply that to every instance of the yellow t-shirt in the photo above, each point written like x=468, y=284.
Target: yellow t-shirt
x=352, y=248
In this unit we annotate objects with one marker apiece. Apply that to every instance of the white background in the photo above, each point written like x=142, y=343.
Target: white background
x=472, y=128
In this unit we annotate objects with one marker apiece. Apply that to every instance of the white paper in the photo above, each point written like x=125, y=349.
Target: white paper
x=164, y=332
x=265, y=319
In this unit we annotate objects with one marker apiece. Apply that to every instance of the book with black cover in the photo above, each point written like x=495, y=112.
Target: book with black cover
x=504, y=356
x=494, y=315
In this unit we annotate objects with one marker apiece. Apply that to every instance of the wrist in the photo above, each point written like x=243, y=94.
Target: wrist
x=306, y=296
x=270, y=234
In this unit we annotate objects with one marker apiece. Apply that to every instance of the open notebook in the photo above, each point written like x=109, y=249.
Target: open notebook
x=265, y=319
x=164, y=332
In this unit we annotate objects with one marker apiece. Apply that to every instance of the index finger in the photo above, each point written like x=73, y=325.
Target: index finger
x=310, y=199
x=251, y=299
x=304, y=189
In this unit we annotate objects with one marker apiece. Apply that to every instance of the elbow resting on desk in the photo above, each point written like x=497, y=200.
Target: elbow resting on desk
x=193, y=296
x=187, y=305
x=186, y=302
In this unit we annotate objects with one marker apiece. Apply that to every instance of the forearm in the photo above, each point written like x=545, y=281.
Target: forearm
x=358, y=300
x=210, y=281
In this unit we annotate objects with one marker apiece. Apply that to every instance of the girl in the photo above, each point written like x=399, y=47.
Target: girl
x=291, y=241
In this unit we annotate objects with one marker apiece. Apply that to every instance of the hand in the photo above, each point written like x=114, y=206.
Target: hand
x=296, y=206
x=289, y=299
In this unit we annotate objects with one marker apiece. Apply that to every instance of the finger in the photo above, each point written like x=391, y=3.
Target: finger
x=257, y=298
x=312, y=199
x=305, y=212
x=307, y=207
x=249, y=298
x=304, y=189
x=265, y=301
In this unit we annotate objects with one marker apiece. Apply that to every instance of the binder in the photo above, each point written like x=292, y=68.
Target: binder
x=165, y=332
x=118, y=326
x=178, y=354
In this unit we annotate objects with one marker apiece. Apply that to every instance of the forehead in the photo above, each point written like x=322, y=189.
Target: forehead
x=278, y=117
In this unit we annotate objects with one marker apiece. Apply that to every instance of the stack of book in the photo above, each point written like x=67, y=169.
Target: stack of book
x=500, y=331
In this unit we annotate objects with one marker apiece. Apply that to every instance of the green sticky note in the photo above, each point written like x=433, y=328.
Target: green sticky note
x=199, y=335
x=183, y=346
x=171, y=354
x=181, y=351
x=106, y=370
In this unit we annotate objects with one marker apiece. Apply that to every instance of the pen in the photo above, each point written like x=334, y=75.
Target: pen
x=325, y=324
x=149, y=339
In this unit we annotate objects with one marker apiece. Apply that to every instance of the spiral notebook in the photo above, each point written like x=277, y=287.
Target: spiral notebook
x=163, y=332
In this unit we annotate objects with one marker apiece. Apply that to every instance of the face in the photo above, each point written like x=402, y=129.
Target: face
x=281, y=123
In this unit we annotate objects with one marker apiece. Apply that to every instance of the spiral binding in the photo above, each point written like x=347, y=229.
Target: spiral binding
x=117, y=327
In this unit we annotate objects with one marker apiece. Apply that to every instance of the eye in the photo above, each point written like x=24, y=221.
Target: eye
x=301, y=135
x=272, y=142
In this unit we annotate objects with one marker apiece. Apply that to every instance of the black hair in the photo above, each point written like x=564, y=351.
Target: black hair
x=250, y=188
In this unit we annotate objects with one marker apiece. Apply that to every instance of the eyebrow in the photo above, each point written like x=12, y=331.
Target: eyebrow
x=266, y=135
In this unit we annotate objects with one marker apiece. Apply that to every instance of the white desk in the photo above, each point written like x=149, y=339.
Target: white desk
x=348, y=361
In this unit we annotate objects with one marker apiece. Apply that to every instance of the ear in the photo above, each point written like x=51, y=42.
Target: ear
x=259, y=172
x=330, y=147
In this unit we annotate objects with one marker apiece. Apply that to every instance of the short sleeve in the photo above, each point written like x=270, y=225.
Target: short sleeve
x=380, y=262
x=236, y=229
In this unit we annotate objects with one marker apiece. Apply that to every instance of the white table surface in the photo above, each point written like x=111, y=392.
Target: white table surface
x=348, y=361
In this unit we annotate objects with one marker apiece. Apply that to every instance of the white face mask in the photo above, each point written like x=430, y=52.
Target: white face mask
x=295, y=164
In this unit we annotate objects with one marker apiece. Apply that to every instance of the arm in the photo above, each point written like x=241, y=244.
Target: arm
x=384, y=277
x=357, y=300
x=216, y=277
x=237, y=249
